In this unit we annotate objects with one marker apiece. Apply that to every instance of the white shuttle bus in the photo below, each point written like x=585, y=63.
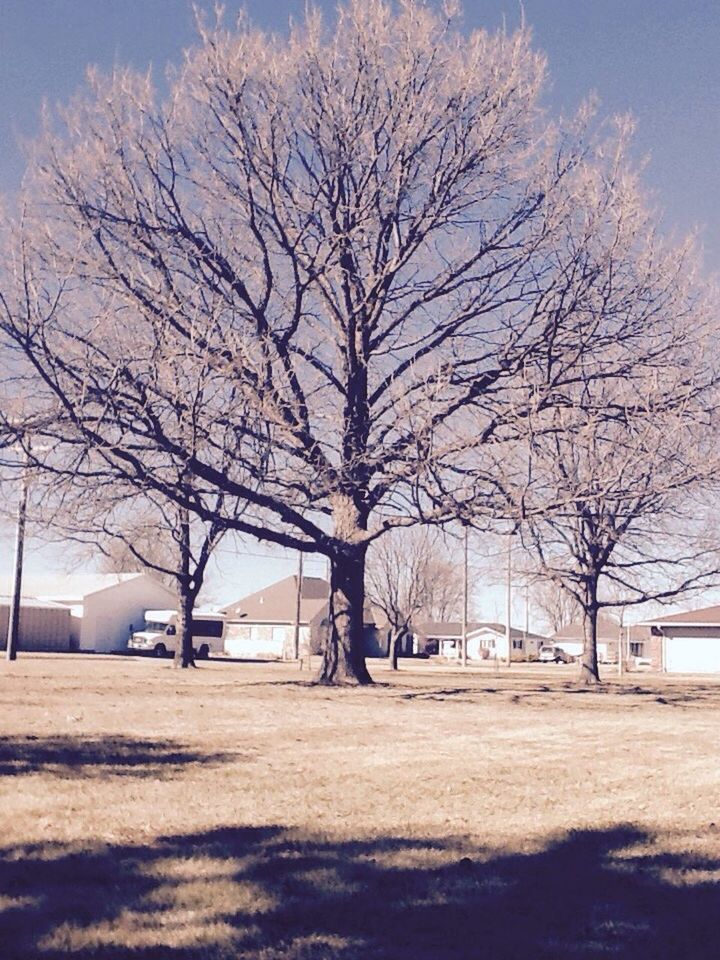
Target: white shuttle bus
x=160, y=634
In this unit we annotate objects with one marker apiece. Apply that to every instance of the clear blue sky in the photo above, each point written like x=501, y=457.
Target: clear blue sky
x=658, y=59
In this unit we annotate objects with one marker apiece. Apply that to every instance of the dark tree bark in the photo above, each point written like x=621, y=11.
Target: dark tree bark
x=184, y=653
x=589, y=672
x=343, y=661
x=394, y=648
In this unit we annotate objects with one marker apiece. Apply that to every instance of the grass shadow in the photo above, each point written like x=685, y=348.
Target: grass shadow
x=276, y=894
x=71, y=757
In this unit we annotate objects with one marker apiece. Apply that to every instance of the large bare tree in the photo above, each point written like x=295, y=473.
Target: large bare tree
x=365, y=238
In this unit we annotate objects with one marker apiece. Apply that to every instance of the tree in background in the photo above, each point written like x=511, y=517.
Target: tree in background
x=627, y=524
x=409, y=575
x=132, y=531
x=555, y=606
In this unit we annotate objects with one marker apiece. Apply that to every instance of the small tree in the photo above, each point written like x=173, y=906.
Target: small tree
x=409, y=574
x=134, y=531
x=553, y=603
x=624, y=512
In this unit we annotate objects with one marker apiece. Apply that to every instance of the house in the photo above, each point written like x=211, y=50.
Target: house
x=571, y=638
x=688, y=642
x=43, y=626
x=636, y=641
x=485, y=640
x=106, y=608
x=262, y=625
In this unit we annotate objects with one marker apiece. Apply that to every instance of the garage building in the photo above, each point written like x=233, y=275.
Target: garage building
x=690, y=641
x=44, y=626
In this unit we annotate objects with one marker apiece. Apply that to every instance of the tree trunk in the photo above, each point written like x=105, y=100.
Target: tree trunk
x=394, y=647
x=343, y=661
x=184, y=655
x=589, y=673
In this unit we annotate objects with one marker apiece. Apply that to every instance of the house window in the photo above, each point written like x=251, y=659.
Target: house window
x=636, y=648
x=517, y=644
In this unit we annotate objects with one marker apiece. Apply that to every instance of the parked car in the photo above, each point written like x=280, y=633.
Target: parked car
x=552, y=654
x=160, y=634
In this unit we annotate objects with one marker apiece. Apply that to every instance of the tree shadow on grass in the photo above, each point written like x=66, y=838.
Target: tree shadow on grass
x=278, y=895
x=70, y=757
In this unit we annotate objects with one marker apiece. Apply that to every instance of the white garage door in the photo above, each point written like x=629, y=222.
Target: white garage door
x=692, y=654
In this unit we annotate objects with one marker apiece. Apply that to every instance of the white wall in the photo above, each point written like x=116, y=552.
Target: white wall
x=109, y=613
x=692, y=654
x=263, y=641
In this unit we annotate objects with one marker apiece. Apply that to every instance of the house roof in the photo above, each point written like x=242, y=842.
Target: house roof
x=705, y=617
x=607, y=629
x=74, y=588
x=33, y=603
x=452, y=629
x=277, y=602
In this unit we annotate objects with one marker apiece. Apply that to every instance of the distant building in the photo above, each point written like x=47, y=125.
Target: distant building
x=686, y=642
x=43, y=625
x=485, y=640
x=107, y=607
x=262, y=625
x=637, y=643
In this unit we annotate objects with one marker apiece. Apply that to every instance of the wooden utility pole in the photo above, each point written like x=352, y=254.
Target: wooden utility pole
x=14, y=620
x=298, y=602
x=508, y=602
x=464, y=628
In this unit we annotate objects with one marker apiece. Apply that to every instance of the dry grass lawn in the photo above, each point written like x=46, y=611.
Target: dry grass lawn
x=236, y=811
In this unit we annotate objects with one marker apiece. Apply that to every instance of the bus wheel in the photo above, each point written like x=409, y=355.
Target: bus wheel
x=160, y=650
x=204, y=652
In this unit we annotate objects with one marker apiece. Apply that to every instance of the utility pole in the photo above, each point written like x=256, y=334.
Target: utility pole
x=298, y=600
x=508, y=601
x=464, y=629
x=14, y=620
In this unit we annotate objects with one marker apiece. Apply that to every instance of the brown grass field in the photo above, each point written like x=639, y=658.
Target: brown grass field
x=237, y=811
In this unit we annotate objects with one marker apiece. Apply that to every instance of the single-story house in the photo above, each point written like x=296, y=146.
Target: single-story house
x=636, y=639
x=262, y=625
x=43, y=626
x=688, y=642
x=106, y=608
x=485, y=640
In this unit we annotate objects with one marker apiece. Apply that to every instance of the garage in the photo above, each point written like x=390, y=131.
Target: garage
x=692, y=654
x=690, y=640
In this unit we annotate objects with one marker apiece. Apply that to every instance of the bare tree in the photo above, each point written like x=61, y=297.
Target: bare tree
x=408, y=574
x=367, y=243
x=133, y=531
x=624, y=528
x=554, y=604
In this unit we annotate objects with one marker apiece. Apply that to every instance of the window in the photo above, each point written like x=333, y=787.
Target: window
x=517, y=644
x=637, y=648
x=207, y=628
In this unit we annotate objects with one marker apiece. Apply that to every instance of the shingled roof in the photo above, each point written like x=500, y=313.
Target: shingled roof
x=276, y=603
x=705, y=617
